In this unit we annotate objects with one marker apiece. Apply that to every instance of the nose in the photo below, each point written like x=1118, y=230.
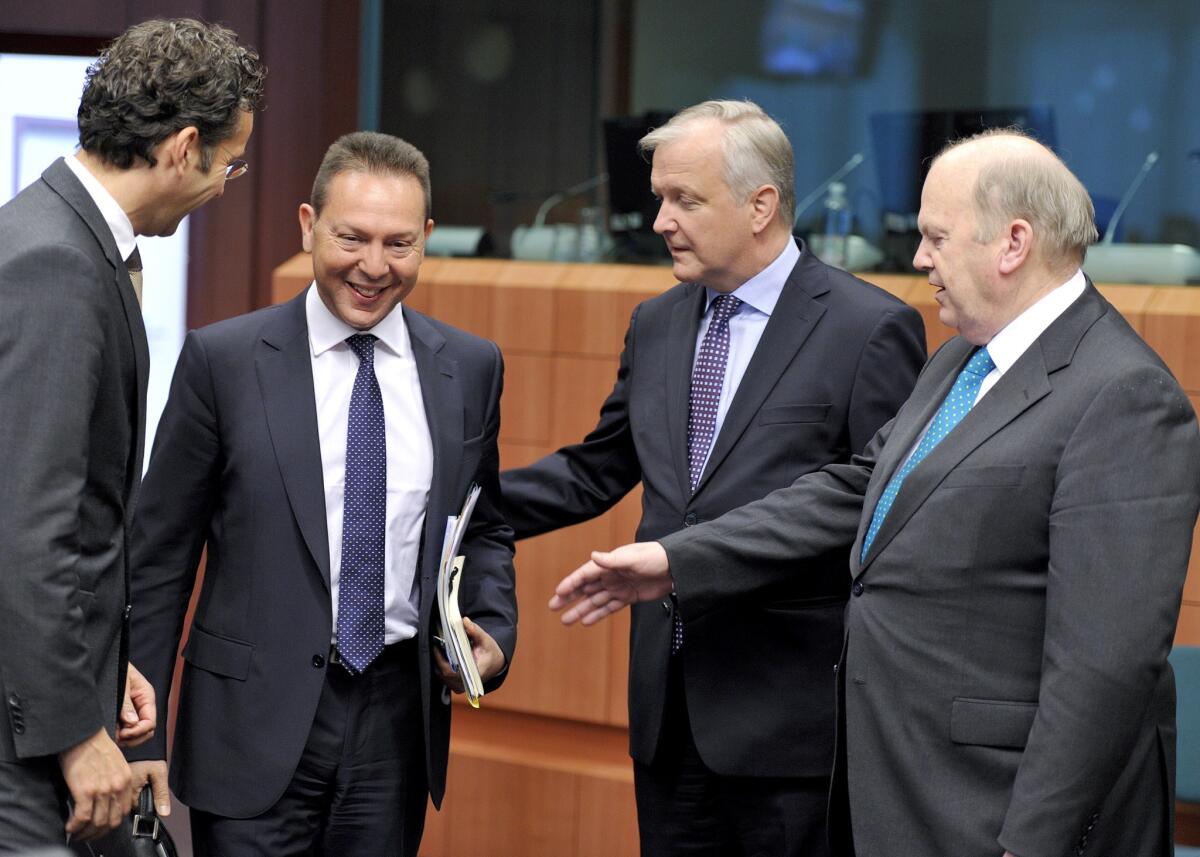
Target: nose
x=921, y=260
x=372, y=261
x=664, y=221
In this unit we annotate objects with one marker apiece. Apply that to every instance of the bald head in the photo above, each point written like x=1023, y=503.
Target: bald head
x=1017, y=178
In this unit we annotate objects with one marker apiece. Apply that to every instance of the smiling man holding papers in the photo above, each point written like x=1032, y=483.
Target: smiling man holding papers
x=318, y=448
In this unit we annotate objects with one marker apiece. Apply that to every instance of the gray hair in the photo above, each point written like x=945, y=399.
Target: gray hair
x=371, y=152
x=1041, y=190
x=756, y=150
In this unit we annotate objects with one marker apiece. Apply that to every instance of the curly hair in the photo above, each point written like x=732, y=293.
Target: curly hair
x=162, y=76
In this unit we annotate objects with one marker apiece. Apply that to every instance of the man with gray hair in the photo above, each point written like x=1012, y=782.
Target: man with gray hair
x=164, y=121
x=762, y=365
x=1020, y=531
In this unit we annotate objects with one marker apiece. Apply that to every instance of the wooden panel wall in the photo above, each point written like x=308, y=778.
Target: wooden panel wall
x=542, y=768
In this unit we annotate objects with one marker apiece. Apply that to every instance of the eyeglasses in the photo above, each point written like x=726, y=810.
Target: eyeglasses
x=237, y=167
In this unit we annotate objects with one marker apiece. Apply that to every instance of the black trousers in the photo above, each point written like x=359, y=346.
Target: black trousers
x=360, y=787
x=686, y=809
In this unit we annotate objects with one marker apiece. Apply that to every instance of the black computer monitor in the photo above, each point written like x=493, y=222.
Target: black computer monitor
x=905, y=143
x=632, y=207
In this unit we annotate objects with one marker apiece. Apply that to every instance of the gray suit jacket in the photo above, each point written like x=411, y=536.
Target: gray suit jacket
x=237, y=467
x=73, y=368
x=1004, y=679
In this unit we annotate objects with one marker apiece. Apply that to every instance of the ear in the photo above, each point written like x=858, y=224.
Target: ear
x=1017, y=246
x=764, y=205
x=308, y=217
x=428, y=228
x=180, y=150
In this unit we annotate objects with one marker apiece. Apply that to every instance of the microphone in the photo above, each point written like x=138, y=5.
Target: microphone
x=1147, y=165
x=844, y=250
x=1118, y=262
x=565, y=242
x=843, y=171
x=539, y=219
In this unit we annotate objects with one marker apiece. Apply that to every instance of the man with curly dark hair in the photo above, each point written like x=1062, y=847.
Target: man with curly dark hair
x=164, y=121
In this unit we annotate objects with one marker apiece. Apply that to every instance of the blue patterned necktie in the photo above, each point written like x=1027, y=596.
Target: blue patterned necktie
x=360, y=583
x=960, y=399
x=708, y=377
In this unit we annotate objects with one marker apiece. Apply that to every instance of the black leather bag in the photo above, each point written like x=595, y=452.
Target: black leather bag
x=142, y=835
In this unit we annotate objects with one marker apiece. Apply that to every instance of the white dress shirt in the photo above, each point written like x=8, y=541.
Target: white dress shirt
x=409, y=451
x=758, y=295
x=114, y=215
x=1009, y=344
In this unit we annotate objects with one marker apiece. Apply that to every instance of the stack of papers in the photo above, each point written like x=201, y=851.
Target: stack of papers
x=454, y=636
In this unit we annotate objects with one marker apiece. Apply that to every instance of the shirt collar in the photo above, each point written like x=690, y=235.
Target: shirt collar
x=110, y=209
x=326, y=330
x=763, y=289
x=1009, y=344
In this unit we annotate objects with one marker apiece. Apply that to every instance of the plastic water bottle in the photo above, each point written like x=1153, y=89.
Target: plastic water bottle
x=838, y=222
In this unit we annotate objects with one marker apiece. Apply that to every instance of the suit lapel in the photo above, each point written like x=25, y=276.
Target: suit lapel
x=1027, y=382
x=283, y=364
x=63, y=182
x=795, y=315
x=681, y=353
x=441, y=394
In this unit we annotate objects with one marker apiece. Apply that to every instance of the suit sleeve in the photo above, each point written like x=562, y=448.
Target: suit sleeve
x=170, y=528
x=52, y=352
x=764, y=543
x=1120, y=526
x=888, y=366
x=489, y=596
x=583, y=480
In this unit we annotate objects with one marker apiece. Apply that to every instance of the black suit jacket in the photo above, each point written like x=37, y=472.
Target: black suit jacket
x=836, y=359
x=1005, y=674
x=236, y=466
x=73, y=369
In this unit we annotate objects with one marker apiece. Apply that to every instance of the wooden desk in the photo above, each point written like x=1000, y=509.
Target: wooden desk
x=542, y=768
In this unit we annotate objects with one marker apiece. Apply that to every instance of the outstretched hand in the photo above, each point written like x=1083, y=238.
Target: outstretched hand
x=610, y=580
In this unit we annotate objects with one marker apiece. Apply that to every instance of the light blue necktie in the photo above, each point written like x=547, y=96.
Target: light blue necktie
x=960, y=400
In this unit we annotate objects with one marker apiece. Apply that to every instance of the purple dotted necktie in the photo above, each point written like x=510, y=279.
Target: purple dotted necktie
x=959, y=400
x=360, y=582
x=708, y=377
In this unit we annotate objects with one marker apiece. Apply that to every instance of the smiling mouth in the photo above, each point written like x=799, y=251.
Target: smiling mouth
x=366, y=292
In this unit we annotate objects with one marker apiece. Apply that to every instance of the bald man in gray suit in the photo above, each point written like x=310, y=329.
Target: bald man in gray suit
x=1021, y=533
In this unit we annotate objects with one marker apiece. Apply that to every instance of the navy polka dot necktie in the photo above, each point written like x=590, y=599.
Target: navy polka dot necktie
x=360, y=582
x=708, y=377
x=960, y=399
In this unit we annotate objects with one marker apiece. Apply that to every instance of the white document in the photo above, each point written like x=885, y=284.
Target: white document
x=454, y=636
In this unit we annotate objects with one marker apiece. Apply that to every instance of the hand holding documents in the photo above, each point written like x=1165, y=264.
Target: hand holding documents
x=454, y=636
